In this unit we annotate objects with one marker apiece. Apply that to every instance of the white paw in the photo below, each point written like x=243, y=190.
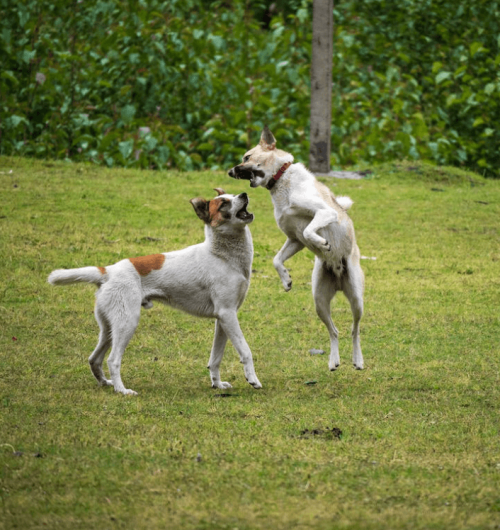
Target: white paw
x=334, y=361
x=324, y=245
x=106, y=382
x=286, y=280
x=255, y=383
x=223, y=385
x=358, y=363
x=127, y=392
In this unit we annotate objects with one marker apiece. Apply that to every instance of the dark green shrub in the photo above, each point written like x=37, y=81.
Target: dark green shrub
x=189, y=84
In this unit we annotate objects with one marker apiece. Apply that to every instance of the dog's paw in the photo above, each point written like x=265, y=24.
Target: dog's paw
x=127, y=392
x=254, y=382
x=106, y=382
x=324, y=246
x=222, y=385
x=334, y=360
x=357, y=361
x=287, y=286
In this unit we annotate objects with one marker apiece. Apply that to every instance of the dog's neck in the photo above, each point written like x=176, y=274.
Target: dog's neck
x=278, y=175
x=234, y=247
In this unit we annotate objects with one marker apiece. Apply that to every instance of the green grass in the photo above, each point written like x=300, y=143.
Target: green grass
x=420, y=444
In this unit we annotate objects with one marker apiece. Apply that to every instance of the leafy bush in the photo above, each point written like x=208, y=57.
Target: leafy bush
x=189, y=84
x=419, y=79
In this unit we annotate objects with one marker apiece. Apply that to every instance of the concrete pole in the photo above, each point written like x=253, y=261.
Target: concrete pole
x=321, y=86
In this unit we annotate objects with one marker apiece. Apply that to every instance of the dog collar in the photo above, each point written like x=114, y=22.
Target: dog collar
x=278, y=175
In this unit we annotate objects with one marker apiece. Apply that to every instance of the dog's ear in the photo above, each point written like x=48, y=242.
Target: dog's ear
x=220, y=191
x=267, y=140
x=201, y=208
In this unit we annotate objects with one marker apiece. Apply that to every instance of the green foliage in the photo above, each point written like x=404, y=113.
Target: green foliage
x=419, y=79
x=147, y=84
x=189, y=84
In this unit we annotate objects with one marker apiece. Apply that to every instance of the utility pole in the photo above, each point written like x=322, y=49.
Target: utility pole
x=321, y=86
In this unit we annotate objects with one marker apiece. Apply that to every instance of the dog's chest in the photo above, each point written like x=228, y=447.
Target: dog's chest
x=281, y=202
x=289, y=220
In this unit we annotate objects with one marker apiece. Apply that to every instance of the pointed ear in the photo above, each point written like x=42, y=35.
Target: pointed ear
x=267, y=140
x=220, y=191
x=201, y=208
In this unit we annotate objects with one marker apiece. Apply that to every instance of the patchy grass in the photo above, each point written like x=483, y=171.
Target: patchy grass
x=410, y=442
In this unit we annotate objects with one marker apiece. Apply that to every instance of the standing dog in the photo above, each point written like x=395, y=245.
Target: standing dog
x=310, y=216
x=210, y=279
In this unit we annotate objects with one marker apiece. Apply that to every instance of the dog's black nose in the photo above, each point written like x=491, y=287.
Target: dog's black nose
x=231, y=172
x=243, y=195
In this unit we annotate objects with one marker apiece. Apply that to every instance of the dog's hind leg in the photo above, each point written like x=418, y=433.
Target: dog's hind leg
x=324, y=289
x=289, y=249
x=123, y=320
x=97, y=356
x=353, y=287
x=219, y=344
x=231, y=326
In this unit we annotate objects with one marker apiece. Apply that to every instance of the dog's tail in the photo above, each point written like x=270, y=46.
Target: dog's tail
x=95, y=275
x=344, y=202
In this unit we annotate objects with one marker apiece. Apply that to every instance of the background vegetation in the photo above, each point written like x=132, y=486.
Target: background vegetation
x=184, y=84
x=410, y=442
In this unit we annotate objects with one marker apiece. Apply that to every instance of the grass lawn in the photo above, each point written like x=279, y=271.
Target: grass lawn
x=410, y=442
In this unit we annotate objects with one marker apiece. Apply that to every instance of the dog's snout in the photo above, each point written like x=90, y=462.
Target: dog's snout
x=231, y=172
x=244, y=196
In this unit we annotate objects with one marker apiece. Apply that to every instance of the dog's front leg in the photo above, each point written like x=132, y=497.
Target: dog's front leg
x=289, y=249
x=321, y=219
x=220, y=339
x=229, y=322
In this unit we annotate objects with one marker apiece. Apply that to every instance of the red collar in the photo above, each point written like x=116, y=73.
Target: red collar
x=278, y=175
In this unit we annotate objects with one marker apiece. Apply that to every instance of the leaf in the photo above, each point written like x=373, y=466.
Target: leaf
x=10, y=76
x=489, y=89
x=476, y=47
x=126, y=148
x=442, y=76
x=128, y=113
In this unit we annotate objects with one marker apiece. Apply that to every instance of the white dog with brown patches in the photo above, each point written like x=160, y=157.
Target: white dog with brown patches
x=310, y=216
x=210, y=279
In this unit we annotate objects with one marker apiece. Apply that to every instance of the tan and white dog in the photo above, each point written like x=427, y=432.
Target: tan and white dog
x=210, y=279
x=310, y=216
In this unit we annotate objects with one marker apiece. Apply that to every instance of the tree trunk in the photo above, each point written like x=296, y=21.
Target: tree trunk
x=321, y=86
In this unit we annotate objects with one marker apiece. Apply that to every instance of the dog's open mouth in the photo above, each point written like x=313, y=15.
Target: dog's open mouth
x=245, y=173
x=244, y=214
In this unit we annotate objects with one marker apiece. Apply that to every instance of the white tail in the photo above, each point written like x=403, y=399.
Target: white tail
x=85, y=274
x=345, y=202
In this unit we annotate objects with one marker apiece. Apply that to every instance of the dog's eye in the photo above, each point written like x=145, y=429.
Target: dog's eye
x=246, y=158
x=225, y=205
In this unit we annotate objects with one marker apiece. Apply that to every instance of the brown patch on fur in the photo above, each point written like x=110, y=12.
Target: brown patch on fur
x=102, y=269
x=215, y=215
x=145, y=264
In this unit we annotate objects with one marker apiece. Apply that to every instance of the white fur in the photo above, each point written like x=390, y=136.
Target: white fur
x=310, y=216
x=210, y=279
x=345, y=202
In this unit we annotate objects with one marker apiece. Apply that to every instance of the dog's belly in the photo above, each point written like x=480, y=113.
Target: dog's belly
x=188, y=298
x=293, y=226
